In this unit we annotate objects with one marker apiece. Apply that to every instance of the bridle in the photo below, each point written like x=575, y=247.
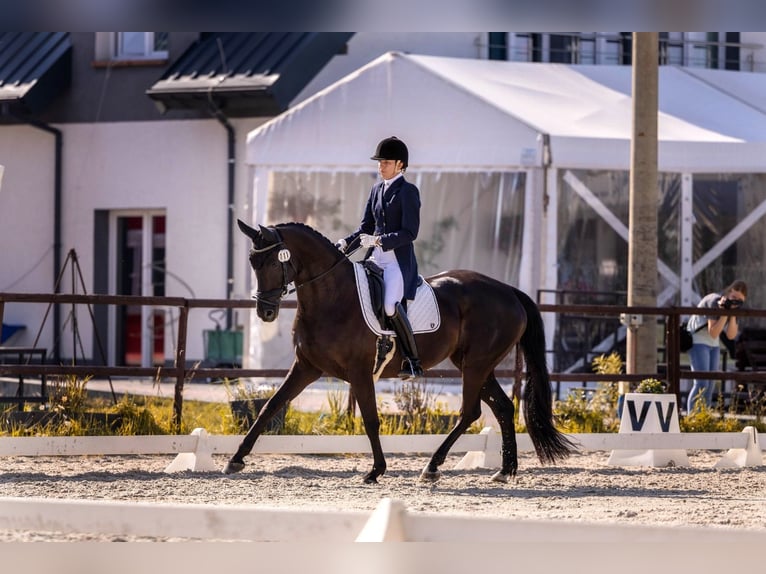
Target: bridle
x=270, y=299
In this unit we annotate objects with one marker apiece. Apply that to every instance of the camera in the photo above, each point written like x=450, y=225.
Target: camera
x=732, y=304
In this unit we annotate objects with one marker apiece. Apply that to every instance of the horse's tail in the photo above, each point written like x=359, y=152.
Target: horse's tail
x=550, y=444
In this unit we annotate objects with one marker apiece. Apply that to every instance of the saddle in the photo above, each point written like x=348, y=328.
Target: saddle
x=422, y=312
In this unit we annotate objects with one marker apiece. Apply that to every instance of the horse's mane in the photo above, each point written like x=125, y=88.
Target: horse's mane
x=308, y=228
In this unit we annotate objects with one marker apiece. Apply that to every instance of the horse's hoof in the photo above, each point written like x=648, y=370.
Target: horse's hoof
x=233, y=467
x=371, y=479
x=430, y=476
x=500, y=477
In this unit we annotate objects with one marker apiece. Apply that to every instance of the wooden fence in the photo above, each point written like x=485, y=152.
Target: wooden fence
x=181, y=371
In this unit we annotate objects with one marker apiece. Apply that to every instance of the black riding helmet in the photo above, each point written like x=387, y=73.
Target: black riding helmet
x=392, y=148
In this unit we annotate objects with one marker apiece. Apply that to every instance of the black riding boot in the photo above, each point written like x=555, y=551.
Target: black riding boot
x=411, y=368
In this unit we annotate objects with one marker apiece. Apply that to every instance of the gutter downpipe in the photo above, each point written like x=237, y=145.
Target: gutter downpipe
x=231, y=162
x=57, y=200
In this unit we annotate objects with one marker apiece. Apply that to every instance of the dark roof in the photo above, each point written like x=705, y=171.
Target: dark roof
x=246, y=74
x=35, y=67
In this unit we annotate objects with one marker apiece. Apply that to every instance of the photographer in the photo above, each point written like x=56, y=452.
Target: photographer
x=705, y=354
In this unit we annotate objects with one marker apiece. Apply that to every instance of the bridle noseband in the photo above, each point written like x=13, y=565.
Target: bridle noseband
x=272, y=297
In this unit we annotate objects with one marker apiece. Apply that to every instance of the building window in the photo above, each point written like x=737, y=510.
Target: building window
x=584, y=48
x=561, y=49
x=731, y=51
x=520, y=47
x=498, y=46
x=672, y=48
x=140, y=45
x=692, y=49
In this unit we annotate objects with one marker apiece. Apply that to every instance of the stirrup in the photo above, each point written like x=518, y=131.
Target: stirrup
x=410, y=370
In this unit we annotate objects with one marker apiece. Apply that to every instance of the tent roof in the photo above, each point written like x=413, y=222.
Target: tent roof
x=465, y=113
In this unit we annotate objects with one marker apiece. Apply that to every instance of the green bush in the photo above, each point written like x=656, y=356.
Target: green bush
x=71, y=413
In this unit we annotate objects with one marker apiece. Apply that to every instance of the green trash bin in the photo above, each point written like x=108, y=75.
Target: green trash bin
x=223, y=348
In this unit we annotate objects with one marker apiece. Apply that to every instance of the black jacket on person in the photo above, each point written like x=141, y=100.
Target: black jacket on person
x=395, y=217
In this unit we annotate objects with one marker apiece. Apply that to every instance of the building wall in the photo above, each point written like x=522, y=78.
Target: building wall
x=176, y=166
x=101, y=93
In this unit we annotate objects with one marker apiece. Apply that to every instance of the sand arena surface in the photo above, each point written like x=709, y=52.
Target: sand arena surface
x=583, y=488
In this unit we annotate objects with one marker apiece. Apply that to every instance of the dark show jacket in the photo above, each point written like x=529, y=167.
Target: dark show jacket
x=395, y=217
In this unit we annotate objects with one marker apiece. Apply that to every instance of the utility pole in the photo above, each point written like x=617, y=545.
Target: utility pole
x=642, y=235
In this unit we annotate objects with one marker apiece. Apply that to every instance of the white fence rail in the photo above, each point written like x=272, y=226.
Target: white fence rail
x=389, y=522
x=195, y=451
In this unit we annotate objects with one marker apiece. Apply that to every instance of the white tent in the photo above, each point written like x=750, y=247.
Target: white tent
x=490, y=113
x=543, y=121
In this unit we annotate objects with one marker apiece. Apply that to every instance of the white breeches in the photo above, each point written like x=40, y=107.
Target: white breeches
x=392, y=278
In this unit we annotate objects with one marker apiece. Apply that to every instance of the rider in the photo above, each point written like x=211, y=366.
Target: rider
x=389, y=226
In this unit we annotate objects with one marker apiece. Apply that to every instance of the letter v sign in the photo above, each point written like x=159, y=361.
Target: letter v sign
x=637, y=423
x=665, y=419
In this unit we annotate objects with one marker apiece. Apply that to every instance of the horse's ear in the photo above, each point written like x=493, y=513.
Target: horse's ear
x=247, y=230
x=269, y=235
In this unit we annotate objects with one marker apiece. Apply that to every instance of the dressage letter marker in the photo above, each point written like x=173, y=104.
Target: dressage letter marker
x=649, y=413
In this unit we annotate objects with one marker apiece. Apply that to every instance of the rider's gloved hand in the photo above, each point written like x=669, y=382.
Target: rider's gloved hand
x=341, y=245
x=369, y=240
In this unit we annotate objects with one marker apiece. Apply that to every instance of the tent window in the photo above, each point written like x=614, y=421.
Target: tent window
x=472, y=220
x=593, y=220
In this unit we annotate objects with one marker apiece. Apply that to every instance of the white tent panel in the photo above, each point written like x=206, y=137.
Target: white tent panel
x=746, y=87
x=685, y=100
x=442, y=123
x=594, y=102
x=461, y=112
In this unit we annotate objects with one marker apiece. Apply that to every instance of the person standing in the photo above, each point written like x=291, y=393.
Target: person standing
x=705, y=354
x=389, y=226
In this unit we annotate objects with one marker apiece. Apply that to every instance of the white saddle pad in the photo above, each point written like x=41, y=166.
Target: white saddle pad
x=423, y=312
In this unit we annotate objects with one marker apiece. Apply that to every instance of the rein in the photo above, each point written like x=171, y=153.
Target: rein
x=284, y=257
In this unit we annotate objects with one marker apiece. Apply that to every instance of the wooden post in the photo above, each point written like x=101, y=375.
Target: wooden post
x=180, y=366
x=642, y=240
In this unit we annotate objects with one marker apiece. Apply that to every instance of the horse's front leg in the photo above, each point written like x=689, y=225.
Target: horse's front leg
x=301, y=374
x=364, y=393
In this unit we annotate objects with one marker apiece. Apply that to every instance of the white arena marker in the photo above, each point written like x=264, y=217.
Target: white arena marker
x=649, y=413
x=201, y=460
x=386, y=523
x=751, y=455
x=487, y=458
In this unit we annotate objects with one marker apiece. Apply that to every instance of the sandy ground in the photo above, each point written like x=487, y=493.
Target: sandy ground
x=582, y=489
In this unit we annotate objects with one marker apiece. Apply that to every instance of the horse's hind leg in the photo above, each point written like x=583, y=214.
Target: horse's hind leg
x=469, y=412
x=502, y=407
x=298, y=378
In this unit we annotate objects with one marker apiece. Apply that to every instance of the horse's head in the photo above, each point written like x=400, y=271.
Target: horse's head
x=270, y=259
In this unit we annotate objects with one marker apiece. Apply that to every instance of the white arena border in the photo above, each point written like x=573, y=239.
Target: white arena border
x=194, y=452
x=389, y=522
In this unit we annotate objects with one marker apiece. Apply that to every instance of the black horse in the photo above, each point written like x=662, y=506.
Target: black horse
x=482, y=319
